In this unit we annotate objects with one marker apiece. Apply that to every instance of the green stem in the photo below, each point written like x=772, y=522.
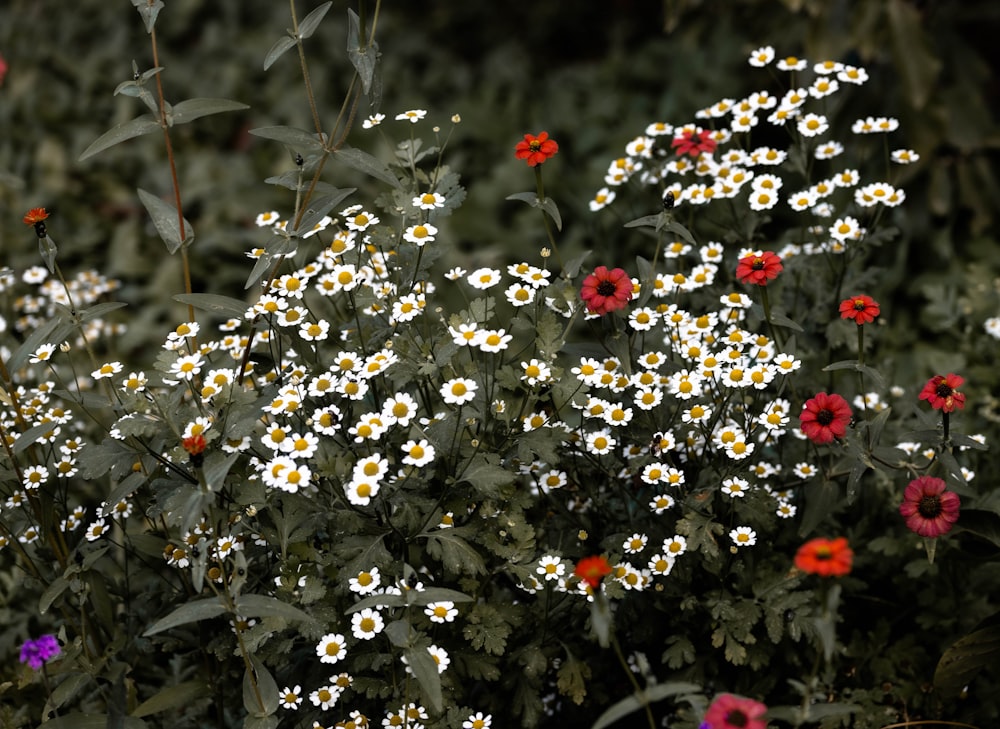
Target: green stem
x=540, y=189
x=639, y=693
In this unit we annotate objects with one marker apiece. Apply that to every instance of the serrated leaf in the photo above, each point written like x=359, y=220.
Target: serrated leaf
x=165, y=219
x=361, y=161
x=214, y=303
x=572, y=679
x=173, y=697
x=187, y=111
x=635, y=702
x=259, y=606
x=144, y=124
x=295, y=138
x=190, y=612
x=278, y=50
x=309, y=23
x=487, y=476
x=456, y=554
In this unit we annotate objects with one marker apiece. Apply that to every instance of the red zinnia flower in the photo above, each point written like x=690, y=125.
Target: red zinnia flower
x=536, y=150
x=862, y=309
x=735, y=712
x=942, y=393
x=825, y=557
x=694, y=143
x=604, y=290
x=758, y=268
x=825, y=417
x=592, y=570
x=34, y=216
x=930, y=511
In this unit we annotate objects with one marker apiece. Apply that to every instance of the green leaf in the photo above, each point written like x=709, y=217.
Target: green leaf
x=164, y=217
x=258, y=606
x=90, y=721
x=968, y=656
x=99, y=310
x=399, y=633
x=266, y=688
x=295, y=138
x=191, y=612
x=30, y=436
x=261, y=722
x=572, y=679
x=363, y=57
x=309, y=23
x=54, y=590
x=320, y=206
x=187, y=111
x=148, y=11
x=672, y=226
x=278, y=50
x=548, y=205
x=216, y=468
x=821, y=500
x=216, y=304
x=635, y=702
x=410, y=597
x=364, y=162
x=982, y=523
x=54, y=331
x=425, y=670
x=65, y=691
x=487, y=476
x=456, y=554
x=487, y=630
x=173, y=697
x=646, y=221
x=784, y=321
x=915, y=53
x=144, y=124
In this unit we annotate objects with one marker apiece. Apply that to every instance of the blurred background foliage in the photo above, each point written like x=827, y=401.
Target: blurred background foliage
x=592, y=74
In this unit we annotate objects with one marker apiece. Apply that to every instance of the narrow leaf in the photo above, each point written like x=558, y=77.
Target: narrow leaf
x=364, y=162
x=164, y=217
x=647, y=221
x=98, y=310
x=90, y=721
x=214, y=303
x=55, y=589
x=144, y=124
x=293, y=137
x=258, y=606
x=672, y=226
x=362, y=56
x=188, y=111
x=266, y=690
x=321, y=206
x=425, y=670
x=549, y=206
x=191, y=612
x=278, y=50
x=173, y=697
x=309, y=23
x=634, y=702
x=968, y=656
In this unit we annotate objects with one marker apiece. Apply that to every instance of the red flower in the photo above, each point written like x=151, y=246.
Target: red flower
x=862, y=309
x=536, y=150
x=604, y=290
x=3, y=69
x=825, y=417
x=694, y=143
x=735, y=712
x=758, y=268
x=592, y=570
x=825, y=557
x=930, y=511
x=35, y=216
x=195, y=445
x=942, y=393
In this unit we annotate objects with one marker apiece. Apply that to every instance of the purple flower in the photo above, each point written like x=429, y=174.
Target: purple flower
x=37, y=652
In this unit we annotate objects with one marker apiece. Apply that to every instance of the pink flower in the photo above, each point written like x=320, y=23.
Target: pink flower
x=929, y=509
x=735, y=712
x=604, y=290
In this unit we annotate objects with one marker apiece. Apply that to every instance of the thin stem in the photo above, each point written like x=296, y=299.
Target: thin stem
x=639, y=693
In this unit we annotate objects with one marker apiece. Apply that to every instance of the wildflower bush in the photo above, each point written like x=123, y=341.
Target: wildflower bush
x=669, y=478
